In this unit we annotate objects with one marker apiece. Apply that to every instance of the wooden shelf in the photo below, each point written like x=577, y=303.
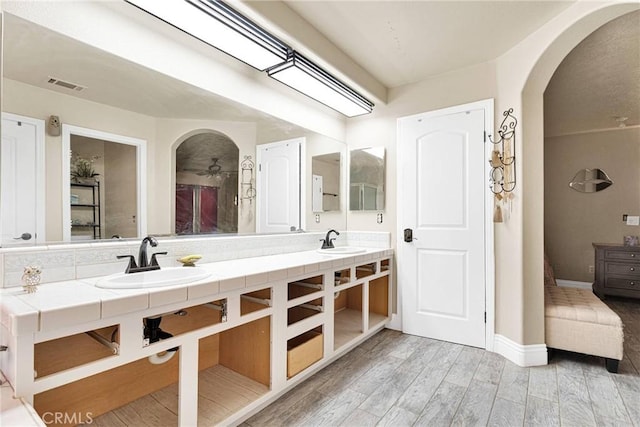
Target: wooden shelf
x=347, y=326
x=221, y=392
x=71, y=351
x=248, y=306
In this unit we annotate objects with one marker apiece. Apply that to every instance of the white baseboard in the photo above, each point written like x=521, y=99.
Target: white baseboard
x=395, y=323
x=521, y=355
x=573, y=284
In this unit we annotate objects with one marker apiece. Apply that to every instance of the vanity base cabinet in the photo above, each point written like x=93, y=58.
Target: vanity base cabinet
x=237, y=352
x=617, y=270
x=234, y=370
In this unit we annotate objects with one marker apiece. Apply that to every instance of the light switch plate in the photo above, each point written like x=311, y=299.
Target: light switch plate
x=633, y=220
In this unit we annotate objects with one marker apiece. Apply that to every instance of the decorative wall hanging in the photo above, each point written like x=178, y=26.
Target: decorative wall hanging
x=247, y=187
x=503, y=163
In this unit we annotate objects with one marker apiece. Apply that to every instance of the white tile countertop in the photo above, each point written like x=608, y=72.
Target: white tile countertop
x=16, y=412
x=60, y=304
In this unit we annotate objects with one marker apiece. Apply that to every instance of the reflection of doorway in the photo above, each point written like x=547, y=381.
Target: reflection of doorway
x=279, y=185
x=22, y=183
x=207, y=184
x=106, y=206
x=196, y=209
x=119, y=161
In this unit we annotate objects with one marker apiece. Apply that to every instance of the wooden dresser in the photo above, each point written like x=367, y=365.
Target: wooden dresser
x=617, y=270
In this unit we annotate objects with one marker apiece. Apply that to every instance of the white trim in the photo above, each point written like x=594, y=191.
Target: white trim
x=487, y=105
x=141, y=170
x=41, y=206
x=573, y=284
x=582, y=132
x=521, y=355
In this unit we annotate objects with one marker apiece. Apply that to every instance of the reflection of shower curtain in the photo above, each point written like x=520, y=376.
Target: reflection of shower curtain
x=196, y=209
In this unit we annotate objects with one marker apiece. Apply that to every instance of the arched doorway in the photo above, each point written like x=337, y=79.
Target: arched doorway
x=568, y=35
x=206, y=184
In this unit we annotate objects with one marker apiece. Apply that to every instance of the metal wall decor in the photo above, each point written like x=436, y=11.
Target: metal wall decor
x=247, y=187
x=503, y=164
x=503, y=158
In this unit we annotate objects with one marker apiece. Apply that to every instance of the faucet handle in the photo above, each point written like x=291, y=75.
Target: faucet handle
x=132, y=262
x=154, y=261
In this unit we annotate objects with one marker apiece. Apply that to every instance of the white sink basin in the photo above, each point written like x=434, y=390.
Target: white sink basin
x=342, y=250
x=154, y=279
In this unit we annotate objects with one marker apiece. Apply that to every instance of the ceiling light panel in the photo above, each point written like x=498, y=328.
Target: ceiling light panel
x=220, y=26
x=307, y=78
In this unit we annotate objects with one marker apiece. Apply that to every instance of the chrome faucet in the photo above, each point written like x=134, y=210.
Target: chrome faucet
x=327, y=242
x=143, y=263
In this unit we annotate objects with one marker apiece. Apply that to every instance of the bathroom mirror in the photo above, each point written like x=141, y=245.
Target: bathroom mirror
x=590, y=181
x=326, y=175
x=366, y=179
x=115, y=95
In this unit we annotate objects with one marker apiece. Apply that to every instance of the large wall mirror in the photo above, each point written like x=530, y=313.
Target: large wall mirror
x=196, y=141
x=366, y=179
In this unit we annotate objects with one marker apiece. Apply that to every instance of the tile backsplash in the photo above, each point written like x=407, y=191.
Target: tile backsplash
x=84, y=260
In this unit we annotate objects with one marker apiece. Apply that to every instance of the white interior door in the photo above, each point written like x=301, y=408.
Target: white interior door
x=442, y=270
x=278, y=186
x=22, y=180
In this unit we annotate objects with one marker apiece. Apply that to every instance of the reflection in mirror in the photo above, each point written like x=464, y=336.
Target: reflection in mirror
x=207, y=184
x=122, y=97
x=103, y=191
x=325, y=170
x=366, y=179
x=103, y=183
x=590, y=181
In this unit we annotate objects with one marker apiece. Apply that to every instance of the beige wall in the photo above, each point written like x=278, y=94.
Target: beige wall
x=120, y=192
x=574, y=220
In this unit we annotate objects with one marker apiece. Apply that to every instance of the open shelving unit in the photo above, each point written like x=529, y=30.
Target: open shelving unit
x=83, y=203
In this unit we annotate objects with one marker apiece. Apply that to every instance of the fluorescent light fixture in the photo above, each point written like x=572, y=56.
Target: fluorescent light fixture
x=309, y=79
x=220, y=26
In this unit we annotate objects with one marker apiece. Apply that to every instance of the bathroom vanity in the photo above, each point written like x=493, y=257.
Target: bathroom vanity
x=246, y=334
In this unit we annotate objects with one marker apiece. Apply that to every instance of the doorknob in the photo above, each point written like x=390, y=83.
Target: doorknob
x=23, y=236
x=408, y=235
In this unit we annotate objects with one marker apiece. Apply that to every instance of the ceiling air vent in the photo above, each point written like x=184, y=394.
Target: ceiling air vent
x=65, y=84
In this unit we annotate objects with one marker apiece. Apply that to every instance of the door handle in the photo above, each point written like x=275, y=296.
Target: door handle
x=23, y=236
x=408, y=235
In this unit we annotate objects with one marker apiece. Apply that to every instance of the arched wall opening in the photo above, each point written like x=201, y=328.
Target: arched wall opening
x=532, y=176
x=206, y=183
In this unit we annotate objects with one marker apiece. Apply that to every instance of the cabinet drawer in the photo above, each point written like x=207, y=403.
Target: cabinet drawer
x=303, y=351
x=622, y=255
x=622, y=283
x=632, y=270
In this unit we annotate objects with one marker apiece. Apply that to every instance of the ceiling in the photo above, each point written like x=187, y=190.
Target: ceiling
x=400, y=42
x=598, y=81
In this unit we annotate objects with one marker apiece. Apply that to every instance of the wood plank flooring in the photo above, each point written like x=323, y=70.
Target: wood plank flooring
x=399, y=380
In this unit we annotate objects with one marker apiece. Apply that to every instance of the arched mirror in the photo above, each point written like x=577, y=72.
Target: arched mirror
x=207, y=184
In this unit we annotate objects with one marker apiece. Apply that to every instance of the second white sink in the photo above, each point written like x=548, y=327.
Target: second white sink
x=342, y=250
x=154, y=279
